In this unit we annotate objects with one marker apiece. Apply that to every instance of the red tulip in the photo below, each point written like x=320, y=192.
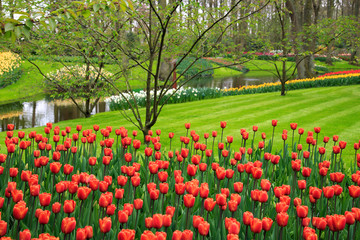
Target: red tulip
x=191, y=170
x=3, y=228
x=44, y=217
x=179, y=188
x=20, y=210
x=221, y=199
x=203, y=228
x=68, y=225
x=233, y=205
x=189, y=200
x=293, y=126
x=220, y=173
x=302, y=211
x=315, y=192
x=223, y=124
x=247, y=218
x=154, y=194
x=69, y=206
x=282, y=219
x=336, y=222
x=105, y=224
x=336, y=149
x=319, y=223
x=209, y=204
x=56, y=207
x=45, y=199
x=83, y=192
x=126, y=234
x=350, y=217
x=274, y=123
x=354, y=191
x=238, y=187
x=281, y=207
x=13, y=172
x=328, y=191
x=337, y=177
x=342, y=145
x=306, y=172
x=266, y=224
x=256, y=225
x=24, y=235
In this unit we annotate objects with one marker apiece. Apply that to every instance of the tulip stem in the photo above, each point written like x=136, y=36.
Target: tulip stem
x=296, y=228
x=218, y=188
x=337, y=235
x=354, y=231
x=222, y=132
x=327, y=206
x=187, y=218
x=246, y=230
x=82, y=201
x=136, y=219
x=202, y=207
x=281, y=230
x=18, y=229
x=220, y=221
x=91, y=206
x=348, y=236
x=272, y=139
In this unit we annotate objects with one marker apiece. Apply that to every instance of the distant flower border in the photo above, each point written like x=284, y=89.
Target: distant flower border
x=195, y=94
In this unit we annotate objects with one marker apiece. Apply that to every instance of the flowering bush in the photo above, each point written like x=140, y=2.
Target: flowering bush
x=76, y=81
x=108, y=184
x=9, y=68
x=182, y=95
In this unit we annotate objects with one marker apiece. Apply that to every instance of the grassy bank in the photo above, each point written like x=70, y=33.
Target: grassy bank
x=334, y=109
x=29, y=85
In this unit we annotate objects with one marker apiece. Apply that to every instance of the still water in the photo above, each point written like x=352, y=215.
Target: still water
x=38, y=113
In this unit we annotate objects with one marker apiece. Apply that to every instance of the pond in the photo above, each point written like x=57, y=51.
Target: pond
x=230, y=82
x=38, y=113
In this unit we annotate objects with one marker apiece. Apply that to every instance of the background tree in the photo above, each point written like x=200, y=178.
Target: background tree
x=96, y=30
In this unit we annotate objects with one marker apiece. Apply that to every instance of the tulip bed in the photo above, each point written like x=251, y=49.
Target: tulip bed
x=108, y=184
x=327, y=80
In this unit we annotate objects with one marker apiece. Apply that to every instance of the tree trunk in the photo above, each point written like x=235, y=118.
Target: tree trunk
x=309, y=60
x=284, y=78
x=1, y=9
x=296, y=19
x=330, y=14
x=33, y=118
x=87, y=108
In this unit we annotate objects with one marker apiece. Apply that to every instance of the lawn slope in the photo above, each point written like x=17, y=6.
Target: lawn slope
x=334, y=109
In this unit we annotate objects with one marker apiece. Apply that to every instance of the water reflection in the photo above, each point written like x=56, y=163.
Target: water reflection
x=38, y=113
x=229, y=82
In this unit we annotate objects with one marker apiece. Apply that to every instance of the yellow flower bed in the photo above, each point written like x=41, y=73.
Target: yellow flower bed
x=8, y=62
x=291, y=82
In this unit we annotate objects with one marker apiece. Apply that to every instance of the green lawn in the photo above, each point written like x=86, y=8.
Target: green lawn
x=334, y=109
x=29, y=87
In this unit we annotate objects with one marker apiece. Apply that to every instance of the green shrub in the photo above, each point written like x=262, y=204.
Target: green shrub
x=197, y=68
